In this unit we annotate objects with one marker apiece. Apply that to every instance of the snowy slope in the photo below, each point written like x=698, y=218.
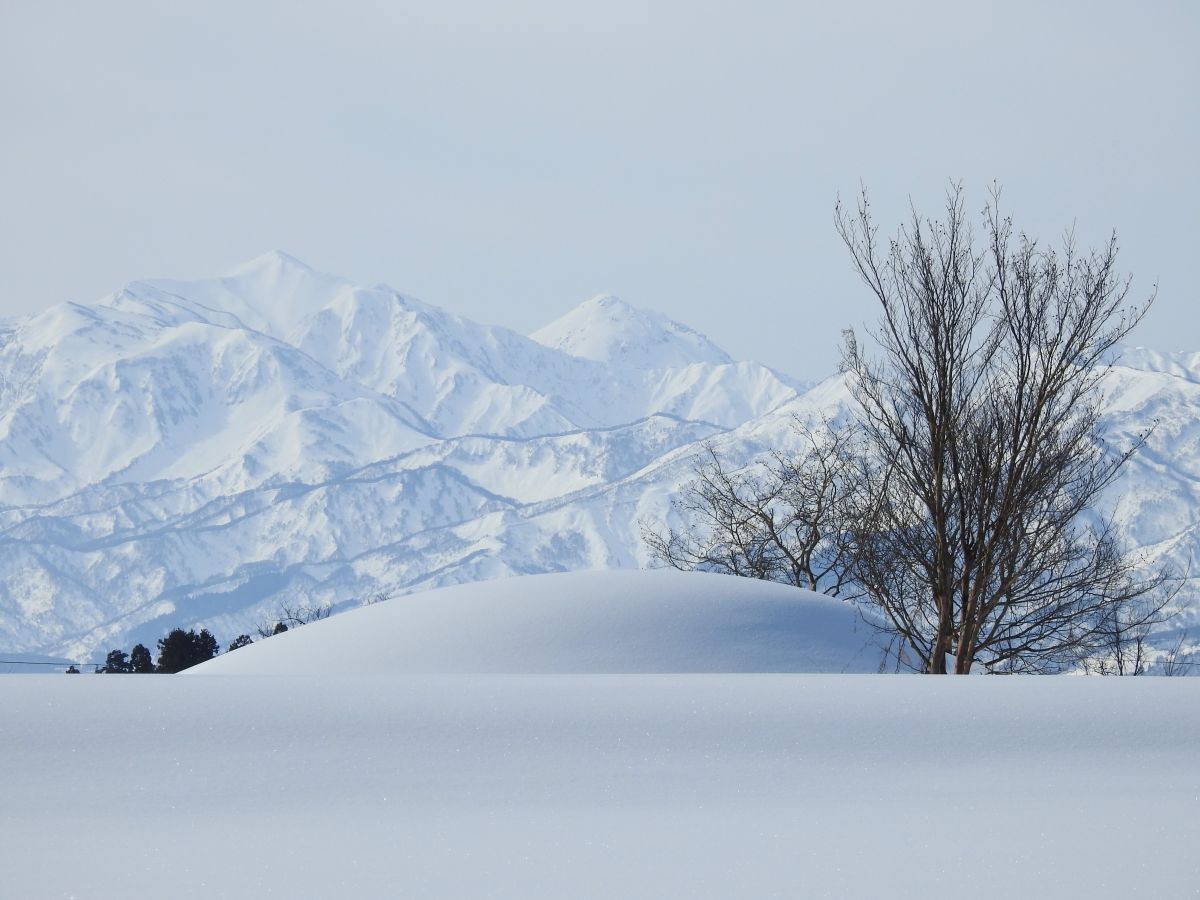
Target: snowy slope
x=199, y=453
x=631, y=786
x=578, y=623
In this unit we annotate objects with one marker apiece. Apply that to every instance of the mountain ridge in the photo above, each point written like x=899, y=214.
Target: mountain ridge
x=177, y=438
x=164, y=461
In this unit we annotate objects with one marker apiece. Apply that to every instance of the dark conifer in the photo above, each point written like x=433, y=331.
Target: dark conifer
x=238, y=642
x=181, y=649
x=140, y=661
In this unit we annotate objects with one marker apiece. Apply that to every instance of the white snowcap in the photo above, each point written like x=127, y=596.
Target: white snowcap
x=607, y=329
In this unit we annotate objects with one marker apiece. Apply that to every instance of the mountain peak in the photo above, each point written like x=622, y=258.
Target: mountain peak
x=271, y=261
x=273, y=293
x=607, y=329
x=609, y=303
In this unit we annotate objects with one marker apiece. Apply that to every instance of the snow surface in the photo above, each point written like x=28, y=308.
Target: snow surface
x=595, y=734
x=632, y=786
x=578, y=623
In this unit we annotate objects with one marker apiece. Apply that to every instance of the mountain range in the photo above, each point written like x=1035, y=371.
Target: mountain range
x=207, y=452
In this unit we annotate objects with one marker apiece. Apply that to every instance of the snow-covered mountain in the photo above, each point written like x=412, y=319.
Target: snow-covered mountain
x=210, y=449
x=204, y=452
x=609, y=330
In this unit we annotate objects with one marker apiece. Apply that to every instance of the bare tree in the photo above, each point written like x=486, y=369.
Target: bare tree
x=292, y=616
x=1121, y=645
x=786, y=519
x=1172, y=663
x=981, y=422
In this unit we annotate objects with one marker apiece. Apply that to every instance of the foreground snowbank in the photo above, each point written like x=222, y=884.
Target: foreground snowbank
x=373, y=776
x=644, y=786
x=578, y=622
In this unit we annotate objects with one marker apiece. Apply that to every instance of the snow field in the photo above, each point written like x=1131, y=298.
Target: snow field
x=635, y=786
x=604, y=734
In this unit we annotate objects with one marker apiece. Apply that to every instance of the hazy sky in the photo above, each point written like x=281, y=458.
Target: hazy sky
x=506, y=160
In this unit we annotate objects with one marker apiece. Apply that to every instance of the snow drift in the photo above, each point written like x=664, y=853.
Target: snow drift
x=580, y=623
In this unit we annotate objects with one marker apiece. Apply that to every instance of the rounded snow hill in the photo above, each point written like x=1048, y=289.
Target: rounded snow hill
x=578, y=622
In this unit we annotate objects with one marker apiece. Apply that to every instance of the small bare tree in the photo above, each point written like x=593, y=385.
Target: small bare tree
x=1122, y=632
x=786, y=519
x=292, y=616
x=1172, y=662
x=981, y=419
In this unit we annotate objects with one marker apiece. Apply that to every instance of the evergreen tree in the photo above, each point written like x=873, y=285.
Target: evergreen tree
x=117, y=662
x=206, y=646
x=181, y=649
x=238, y=642
x=140, y=662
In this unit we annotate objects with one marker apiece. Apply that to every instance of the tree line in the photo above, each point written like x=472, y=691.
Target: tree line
x=177, y=651
x=182, y=649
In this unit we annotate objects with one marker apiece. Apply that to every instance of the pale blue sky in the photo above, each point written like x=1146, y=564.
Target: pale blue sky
x=507, y=160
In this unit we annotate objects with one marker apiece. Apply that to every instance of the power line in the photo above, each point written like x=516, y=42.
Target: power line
x=59, y=665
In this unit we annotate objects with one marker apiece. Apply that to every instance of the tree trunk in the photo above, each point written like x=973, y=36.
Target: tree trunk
x=941, y=646
x=965, y=651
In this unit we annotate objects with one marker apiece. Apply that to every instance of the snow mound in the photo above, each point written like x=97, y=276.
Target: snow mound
x=611, y=622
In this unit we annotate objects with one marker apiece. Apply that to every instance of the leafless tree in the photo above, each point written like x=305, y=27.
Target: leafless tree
x=787, y=519
x=980, y=417
x=1172, y=662
x=1121, y=645
x=292, y=616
